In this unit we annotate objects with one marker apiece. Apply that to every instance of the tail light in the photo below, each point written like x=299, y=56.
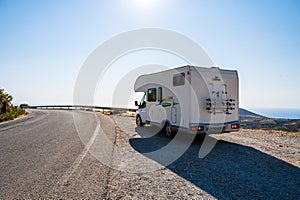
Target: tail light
x=235, y=126
x=197, y=128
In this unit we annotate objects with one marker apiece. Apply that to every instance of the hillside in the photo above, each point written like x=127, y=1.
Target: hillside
x=254, y=121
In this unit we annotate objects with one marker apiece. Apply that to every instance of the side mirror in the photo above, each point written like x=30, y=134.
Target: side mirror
x=136, y=103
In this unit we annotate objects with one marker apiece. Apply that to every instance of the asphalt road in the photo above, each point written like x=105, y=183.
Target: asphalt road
x=40, y=155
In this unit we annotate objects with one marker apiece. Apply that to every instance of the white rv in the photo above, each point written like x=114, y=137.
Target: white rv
x=196, y=99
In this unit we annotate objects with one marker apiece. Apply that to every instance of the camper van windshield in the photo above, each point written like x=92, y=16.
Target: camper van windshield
x=143, y=99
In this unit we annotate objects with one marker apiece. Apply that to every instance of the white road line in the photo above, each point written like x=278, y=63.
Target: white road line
x=79, y=159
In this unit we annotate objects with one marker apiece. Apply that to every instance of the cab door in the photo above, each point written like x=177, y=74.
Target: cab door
x=142, y=110
x=155, y=111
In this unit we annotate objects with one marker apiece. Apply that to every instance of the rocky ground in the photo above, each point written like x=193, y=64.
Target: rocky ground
x=280, y=144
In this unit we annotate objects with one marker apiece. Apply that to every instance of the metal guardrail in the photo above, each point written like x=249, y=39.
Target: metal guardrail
x=80, y=107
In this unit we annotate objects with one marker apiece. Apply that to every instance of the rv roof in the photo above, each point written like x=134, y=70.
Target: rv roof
x=193, y=67
x=140, y=83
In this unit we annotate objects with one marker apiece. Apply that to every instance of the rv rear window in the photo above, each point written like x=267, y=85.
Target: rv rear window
x=151, y=94
x=178, y=79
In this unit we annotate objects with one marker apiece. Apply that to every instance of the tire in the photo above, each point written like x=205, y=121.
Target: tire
x=168, y=130
x=138, y=121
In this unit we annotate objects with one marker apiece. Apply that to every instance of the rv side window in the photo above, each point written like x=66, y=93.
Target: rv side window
x=159, y=94
x=178, y=79
x=151, y=94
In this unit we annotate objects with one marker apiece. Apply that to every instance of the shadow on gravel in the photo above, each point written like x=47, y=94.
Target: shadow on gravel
x=230, y=170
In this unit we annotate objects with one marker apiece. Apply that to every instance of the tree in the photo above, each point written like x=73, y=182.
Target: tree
x=5, y=95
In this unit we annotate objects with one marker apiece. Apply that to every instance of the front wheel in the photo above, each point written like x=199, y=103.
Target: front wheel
x=138, y=121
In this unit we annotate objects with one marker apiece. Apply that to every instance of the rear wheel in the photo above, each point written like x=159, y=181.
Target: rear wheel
x=139, y=121
x=168, y=130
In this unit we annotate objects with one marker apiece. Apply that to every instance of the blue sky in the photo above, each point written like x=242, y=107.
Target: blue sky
x=43, y=44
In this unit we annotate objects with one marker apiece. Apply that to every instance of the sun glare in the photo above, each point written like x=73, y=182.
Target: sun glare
x=146, y=7
x=145, y=4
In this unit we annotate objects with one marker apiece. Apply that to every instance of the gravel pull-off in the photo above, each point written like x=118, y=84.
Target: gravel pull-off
x=250, y=164
x=163, y=183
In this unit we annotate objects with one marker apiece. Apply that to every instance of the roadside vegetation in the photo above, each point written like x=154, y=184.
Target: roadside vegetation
x=7, y=110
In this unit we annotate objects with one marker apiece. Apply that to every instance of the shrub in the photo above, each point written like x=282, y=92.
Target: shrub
x=14, y=113
x=7, y=110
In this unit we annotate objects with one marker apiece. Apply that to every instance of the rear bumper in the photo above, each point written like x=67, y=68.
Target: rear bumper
x=214, y=128
x=205, y=128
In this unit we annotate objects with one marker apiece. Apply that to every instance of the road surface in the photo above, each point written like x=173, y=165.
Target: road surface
x=44, y=156
x=38, y=154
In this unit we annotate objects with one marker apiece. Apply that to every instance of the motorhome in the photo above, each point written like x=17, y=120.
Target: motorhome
x=195, y=99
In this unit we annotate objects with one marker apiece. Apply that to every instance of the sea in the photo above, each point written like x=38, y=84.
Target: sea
x=286, y=113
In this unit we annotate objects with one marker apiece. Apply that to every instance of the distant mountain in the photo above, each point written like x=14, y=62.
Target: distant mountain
x=252, y=120
x=246, y=114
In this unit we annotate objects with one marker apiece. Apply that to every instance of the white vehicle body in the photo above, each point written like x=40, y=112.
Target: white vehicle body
x=198, y=99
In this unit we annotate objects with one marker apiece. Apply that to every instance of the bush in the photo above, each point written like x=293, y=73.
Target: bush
x=14, y=113
x=24, y=106
x=7, y=110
